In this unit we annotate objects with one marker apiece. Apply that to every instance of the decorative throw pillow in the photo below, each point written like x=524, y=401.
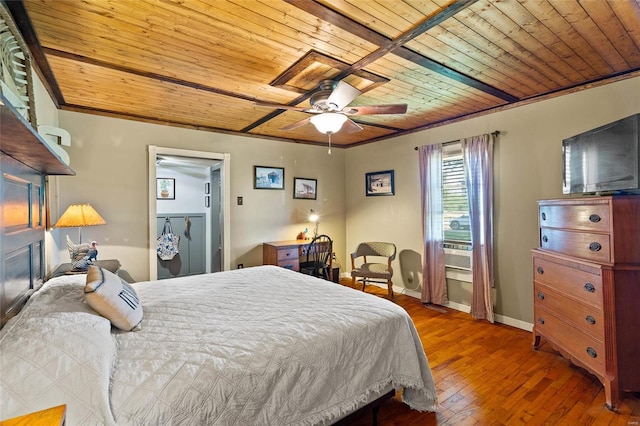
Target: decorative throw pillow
x=113, y=298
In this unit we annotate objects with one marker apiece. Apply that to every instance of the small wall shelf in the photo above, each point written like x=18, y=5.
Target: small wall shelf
x=22, y=142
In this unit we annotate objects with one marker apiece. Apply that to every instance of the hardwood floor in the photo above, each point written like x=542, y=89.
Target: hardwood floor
x=488, y=374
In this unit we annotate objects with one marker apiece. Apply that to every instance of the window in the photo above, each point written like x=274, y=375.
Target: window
x=455, y=203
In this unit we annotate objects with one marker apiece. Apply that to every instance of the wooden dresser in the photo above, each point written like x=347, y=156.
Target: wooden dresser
x=587, y=287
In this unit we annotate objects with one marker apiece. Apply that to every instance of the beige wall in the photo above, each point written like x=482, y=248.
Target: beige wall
x=109, y=157
x=527, y=168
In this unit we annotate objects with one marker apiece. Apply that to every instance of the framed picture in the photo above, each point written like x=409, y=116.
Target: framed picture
x=268, y=177
x=207, y=188
x=379, y=183
x=304, y=189
x=165, y=189
x=207, y=201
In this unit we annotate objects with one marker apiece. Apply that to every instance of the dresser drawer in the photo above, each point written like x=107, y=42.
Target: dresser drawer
x=586, y=349
x=587, y=318
x=565, y=279
x=290, y=264
x=585, y=245
x=287, y=254
x=585, y=217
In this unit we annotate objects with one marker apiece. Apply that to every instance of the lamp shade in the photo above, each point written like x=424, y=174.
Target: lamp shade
x=78, y=215
x=328, y=122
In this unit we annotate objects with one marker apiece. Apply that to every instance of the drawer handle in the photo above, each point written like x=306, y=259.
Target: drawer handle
x=540, y=295
x=544, y=239
x=595, y=246
x=591, y=320
x=544, y=216
x=590, y=288
x=541, y=320
x=592, y=352
x=594, y=218
x=540, y=270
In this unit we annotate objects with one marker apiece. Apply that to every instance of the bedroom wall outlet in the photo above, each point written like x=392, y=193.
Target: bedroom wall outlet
x=240, y=201
x=240, y=265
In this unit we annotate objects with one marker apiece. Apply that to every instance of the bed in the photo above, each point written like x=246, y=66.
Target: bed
x=254, y=346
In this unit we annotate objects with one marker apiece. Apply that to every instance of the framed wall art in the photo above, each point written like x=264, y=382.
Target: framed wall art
x=379, y=183
x=304, y=188
x=268, y=177
x=165, y=189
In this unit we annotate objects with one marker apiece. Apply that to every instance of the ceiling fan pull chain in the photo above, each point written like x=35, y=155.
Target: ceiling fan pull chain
x=329, y=133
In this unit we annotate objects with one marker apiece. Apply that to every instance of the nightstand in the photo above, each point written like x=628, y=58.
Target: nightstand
x=54, y=416
x=111, y=265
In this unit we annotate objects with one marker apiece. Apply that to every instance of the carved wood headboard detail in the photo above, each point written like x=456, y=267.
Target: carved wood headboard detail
x=16, y=83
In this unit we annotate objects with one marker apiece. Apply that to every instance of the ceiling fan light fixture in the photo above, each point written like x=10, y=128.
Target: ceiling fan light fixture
x=328, y=122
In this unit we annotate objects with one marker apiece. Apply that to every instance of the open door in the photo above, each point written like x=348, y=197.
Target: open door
x=215, y=202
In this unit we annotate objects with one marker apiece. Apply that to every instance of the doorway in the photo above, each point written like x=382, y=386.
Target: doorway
x=211, y=172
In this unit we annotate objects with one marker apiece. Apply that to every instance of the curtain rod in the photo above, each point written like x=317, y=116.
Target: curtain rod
x=495, y=134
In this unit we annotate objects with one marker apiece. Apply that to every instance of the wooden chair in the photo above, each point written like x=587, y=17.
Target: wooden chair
x=371, y=271
x=318, y=258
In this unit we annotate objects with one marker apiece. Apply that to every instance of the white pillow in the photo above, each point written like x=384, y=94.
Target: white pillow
x=113, y=298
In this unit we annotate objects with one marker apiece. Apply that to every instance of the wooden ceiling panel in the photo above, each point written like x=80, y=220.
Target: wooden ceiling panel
x=390, y=19
x=92, y=88
x=203, y=63
x=415, y=82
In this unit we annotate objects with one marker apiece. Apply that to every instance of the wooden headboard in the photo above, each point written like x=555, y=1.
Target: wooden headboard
x=22, y=226
x=25, y=160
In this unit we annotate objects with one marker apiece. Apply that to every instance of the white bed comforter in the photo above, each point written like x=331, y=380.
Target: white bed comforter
x=261, y=346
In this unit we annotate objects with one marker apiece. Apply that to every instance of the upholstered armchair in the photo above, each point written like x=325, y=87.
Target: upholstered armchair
x=369, y=271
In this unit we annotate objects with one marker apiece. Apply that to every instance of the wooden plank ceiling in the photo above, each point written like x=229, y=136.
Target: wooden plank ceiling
x=203, y=63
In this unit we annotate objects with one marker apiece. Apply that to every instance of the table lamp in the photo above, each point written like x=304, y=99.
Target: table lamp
x=313, y=217
x=79, y=215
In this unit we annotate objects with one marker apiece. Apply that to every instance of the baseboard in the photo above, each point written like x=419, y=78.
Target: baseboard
x=523, y=325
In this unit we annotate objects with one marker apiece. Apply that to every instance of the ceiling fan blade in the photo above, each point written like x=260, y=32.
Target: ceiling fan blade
x=342, y=95
x=376, y=109
x=278, y=106
x=297, y=124
x=351, y=126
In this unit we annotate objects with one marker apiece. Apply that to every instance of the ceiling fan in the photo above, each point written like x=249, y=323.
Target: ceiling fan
x=329, y=104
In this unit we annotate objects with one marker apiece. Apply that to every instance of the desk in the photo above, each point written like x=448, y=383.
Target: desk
x=284, y=253
x=111, y=265
x=287, y=254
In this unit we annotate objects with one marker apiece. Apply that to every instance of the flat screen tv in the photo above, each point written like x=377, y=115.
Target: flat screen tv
x=605, y=160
